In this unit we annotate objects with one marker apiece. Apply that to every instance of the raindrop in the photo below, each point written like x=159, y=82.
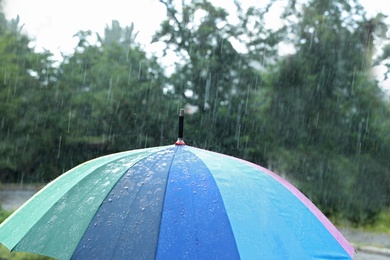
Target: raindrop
x=207, y=93
x=126, y=187
x=109, y=200
x=69, y=117
x=129, y=76
x=109, y=91
x=59, y=147
x=139, y=70
x=142, y=209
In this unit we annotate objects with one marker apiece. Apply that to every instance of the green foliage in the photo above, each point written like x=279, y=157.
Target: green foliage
x=4, y=214
x=213, y=77
x=6, y=255
x=22, y=71
x=382, y=224
x=326, y=111
x=317, y=116
x=98, y=101
x=111, y=98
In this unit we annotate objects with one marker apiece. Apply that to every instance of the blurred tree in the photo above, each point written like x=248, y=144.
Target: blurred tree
x=213, y=79
x=317, y=115
x=112, y=98
x=106, y=97
x=23, y=74
x=326, y=107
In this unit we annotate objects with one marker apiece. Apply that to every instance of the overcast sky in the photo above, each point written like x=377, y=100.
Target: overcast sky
x=52, y=23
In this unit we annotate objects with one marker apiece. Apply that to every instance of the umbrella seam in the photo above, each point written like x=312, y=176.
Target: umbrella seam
x=140, y=188
x=124, y=172
x=307, y=203
x=125, y=154
x=165, y=192
x=281, y=216
x=56, y=202
x=222, y=200
x=266, y=194
x=97, y=209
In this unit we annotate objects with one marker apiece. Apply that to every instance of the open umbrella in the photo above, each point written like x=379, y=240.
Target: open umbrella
x=172, y=202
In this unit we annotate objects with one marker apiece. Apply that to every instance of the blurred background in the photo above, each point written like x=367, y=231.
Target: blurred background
x=297, y=86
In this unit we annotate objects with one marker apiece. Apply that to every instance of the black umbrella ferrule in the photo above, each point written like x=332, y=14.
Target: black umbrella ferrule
x=181, y=128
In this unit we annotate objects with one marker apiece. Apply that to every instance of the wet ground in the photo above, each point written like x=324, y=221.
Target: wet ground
x=13, y=196
x=370, y=246
x=362, y=238
x=367, y=256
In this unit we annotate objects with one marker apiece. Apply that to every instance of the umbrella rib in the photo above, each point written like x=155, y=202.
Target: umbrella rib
x=238, y=169
x=139, y=190
x=124, y=224
x=92, y=187
x=113, y=187
x=165, y=191
x=309, y=207
x=274, y=205
x=125, y=154
x=51, y=207
x=128, y=211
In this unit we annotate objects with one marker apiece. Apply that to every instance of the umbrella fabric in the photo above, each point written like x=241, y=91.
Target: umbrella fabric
x=172, y=202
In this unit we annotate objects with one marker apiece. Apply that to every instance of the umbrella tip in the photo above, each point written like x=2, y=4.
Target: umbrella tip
x=181, y=127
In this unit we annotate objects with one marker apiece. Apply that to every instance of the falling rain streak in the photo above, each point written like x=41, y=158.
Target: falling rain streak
x=59, y=147
x=313, y=113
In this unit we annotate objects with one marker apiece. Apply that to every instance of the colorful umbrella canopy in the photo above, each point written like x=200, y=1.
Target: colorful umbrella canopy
x=172, y=202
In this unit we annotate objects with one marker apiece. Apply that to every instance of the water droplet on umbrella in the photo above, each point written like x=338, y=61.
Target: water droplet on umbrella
x=109, y=200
